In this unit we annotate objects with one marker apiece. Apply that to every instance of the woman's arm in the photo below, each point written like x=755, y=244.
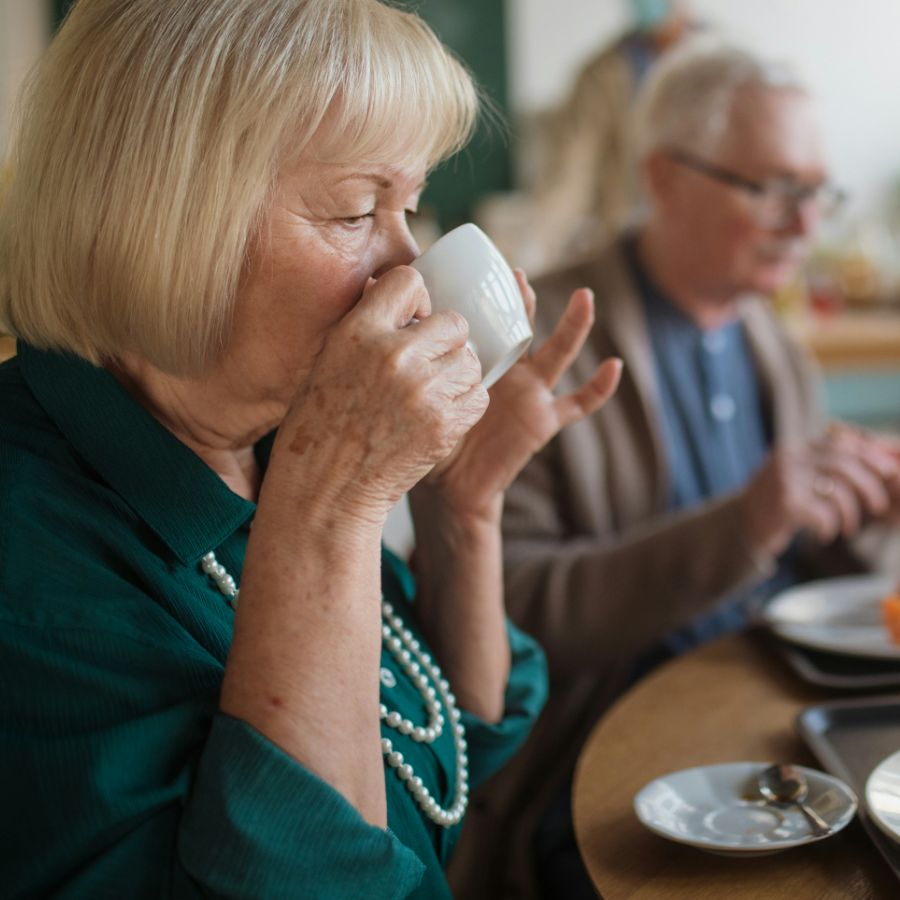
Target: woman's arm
x=383, y=402
x=456, y=509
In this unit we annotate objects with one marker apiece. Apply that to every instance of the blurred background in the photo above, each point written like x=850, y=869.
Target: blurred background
x=529, y=54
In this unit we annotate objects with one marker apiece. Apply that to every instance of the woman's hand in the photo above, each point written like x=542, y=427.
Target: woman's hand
x=523, y=414
x=386, y=398
x=456, y=508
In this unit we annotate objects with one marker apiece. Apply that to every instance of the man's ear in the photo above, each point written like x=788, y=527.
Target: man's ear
x=658, y=172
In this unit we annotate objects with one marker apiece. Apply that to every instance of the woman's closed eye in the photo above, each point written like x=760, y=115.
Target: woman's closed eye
x=357, y=220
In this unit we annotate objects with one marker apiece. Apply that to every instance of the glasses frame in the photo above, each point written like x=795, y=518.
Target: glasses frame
x=791, y=195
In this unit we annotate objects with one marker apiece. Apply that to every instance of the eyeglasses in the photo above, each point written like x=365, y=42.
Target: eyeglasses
x=775, y=201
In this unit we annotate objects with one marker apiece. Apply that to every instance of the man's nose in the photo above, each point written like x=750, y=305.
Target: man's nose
x=802, y=218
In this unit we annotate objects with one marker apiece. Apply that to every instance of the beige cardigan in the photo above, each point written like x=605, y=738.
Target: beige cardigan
x=597, y=568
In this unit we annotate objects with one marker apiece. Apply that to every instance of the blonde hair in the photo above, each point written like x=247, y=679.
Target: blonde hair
x=152, y=134
x=687, y=99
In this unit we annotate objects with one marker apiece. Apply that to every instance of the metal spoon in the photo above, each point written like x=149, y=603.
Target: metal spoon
x=786, y=784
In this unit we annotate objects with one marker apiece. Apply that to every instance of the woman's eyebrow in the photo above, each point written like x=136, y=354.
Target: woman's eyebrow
x=380, y=180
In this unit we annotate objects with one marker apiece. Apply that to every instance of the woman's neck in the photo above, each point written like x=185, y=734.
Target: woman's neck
x=207, y=415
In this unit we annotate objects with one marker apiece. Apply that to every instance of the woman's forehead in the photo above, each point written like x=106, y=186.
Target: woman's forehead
x=355, y=175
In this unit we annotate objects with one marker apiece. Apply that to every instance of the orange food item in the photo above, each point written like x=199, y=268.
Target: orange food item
x=890, y=614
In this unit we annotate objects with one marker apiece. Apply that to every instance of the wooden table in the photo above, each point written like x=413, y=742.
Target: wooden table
x=732, y=700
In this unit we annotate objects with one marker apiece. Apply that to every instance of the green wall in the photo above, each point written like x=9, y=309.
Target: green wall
x=475, y=30
x=60, y=8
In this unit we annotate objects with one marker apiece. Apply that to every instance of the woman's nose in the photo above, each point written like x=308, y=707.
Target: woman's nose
x=400, y=249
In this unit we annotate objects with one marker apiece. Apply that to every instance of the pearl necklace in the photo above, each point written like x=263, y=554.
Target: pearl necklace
x=425, y=674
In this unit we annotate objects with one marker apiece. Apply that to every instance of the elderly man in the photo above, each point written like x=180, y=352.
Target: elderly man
x=709, y=482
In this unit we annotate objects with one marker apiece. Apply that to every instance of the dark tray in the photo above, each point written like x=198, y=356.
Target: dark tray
x=850, y=738
x=835, y=670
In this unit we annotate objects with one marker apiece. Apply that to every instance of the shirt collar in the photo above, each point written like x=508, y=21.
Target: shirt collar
x=181, y=499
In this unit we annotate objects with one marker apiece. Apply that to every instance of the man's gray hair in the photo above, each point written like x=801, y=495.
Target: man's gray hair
x=686, y=100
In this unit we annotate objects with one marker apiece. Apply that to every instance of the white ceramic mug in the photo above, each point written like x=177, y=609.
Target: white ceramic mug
x=463, y=270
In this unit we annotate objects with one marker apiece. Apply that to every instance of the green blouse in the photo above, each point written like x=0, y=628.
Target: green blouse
x=119, y=775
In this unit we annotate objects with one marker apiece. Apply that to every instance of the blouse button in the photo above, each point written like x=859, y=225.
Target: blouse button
x=388, y=679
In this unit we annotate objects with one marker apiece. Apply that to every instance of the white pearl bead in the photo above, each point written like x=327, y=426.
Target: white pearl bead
x=419, y=667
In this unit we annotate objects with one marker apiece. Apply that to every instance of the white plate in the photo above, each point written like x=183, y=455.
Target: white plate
x=883, y=796
x=718, y=809
x=842, y=615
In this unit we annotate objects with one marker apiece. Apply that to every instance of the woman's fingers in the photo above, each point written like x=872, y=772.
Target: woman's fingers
x=455, y=372
x=439, y=334
x=395, y=299
x=591, y=396
x=559, y=351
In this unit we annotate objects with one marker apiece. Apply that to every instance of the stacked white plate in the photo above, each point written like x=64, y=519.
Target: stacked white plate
x=841, y=615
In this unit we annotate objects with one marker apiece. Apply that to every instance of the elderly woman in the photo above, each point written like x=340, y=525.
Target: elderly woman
x=205, y=240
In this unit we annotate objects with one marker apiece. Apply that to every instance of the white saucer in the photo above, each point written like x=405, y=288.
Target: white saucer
x=883, y=796
x=839, y=615
x=718, y=809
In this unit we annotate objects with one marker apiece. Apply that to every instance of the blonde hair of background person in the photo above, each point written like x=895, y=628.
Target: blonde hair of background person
x=159, y=278
x=587, y=185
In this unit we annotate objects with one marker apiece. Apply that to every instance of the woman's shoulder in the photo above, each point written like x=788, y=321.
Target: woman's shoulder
x=23, y=422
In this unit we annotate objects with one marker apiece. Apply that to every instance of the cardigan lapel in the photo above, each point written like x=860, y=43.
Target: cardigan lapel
x=626, y=326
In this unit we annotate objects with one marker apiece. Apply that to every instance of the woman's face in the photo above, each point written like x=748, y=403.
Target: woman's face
x=330, y=229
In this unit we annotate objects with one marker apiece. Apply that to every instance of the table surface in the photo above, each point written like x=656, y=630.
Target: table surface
x=732, y=700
